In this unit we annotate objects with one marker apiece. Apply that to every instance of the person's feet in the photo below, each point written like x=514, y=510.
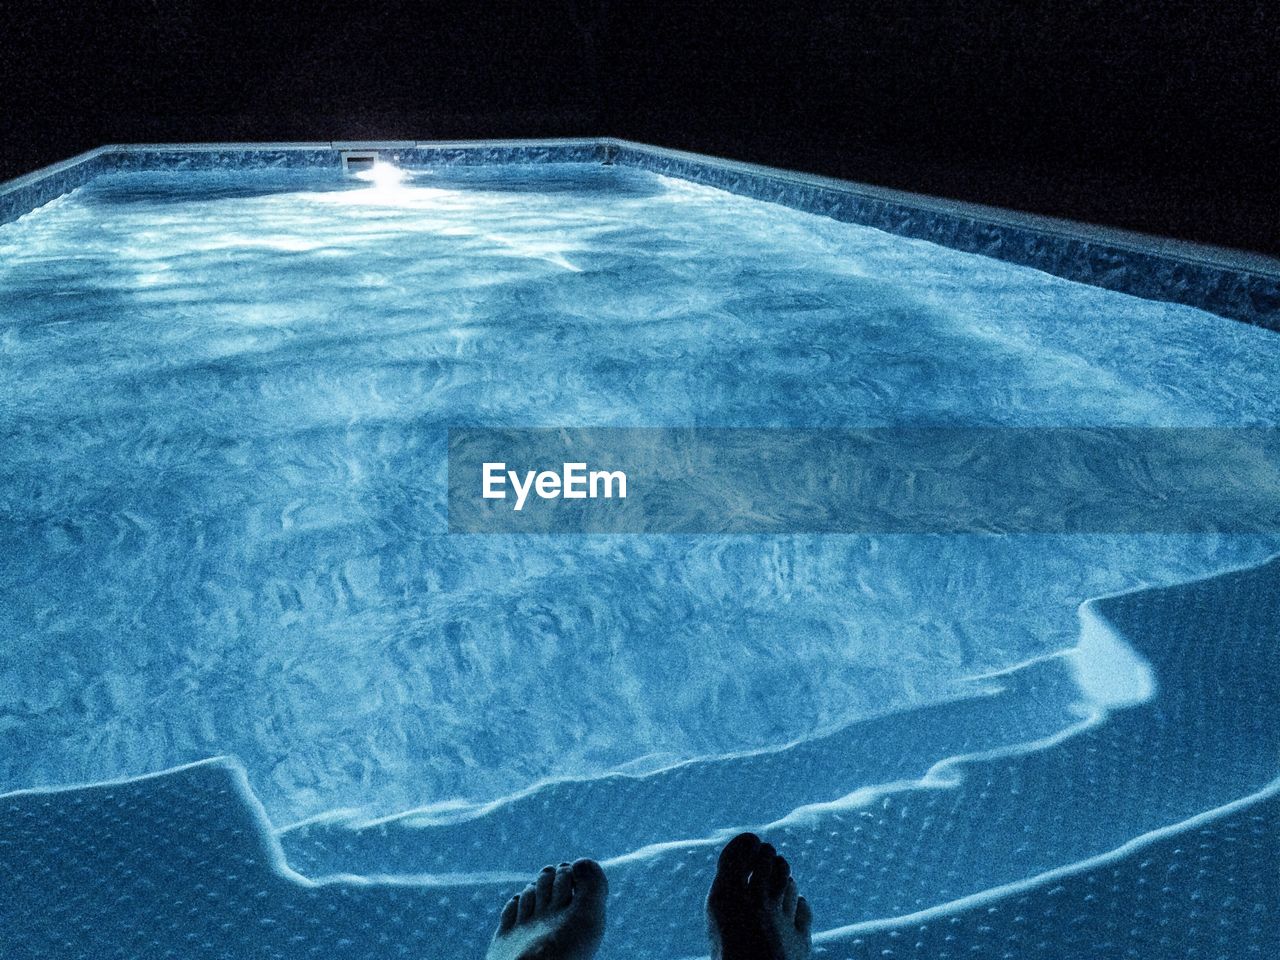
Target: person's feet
x=560, y=916
x=754, y=911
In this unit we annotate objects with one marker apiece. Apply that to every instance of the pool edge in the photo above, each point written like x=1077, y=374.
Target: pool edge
x=1238, y=285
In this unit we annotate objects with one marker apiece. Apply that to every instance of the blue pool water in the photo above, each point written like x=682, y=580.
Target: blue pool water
x=224, y=535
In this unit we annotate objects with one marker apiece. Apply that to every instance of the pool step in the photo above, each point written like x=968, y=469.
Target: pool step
x=614, y=815
x=1203, y=740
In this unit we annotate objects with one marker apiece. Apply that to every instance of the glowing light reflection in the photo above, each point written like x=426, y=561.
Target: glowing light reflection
x=383, y=176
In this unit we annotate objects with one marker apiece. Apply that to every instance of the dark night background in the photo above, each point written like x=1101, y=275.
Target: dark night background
x=1154, y=116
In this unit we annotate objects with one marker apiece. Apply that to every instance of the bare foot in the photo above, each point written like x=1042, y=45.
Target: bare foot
x=560, y=916
x=754, y=911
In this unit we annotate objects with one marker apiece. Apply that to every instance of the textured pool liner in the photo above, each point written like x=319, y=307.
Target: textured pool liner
x=1232, y=284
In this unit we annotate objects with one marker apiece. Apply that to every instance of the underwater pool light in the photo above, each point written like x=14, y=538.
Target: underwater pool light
x=383, y=176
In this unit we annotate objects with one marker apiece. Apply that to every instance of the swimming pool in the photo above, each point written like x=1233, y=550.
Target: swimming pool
x=229, y=389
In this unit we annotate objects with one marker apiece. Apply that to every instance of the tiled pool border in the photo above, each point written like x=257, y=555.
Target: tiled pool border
x=1233, y=284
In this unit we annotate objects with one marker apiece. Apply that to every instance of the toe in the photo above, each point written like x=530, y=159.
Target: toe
x=542, y=890
x=738, y=853
x=804, y=916
x=761, y=872
x=789, y=895
x=528, y=898
x=733, y=868
x=562, y=887
x=778, y=878
x=590, y=888
x=509, y=912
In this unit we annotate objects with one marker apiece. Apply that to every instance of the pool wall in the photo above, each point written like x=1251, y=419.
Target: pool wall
x=1239, y=285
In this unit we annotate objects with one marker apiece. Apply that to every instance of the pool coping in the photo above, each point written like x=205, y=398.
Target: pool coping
x=1236, y=284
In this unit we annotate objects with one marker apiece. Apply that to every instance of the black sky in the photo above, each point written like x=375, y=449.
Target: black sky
x=1156, y=116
